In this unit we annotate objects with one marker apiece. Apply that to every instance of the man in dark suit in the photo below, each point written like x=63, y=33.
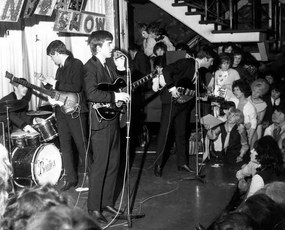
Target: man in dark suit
x=105, y=133
x=273, y=100
x=175, y=112
x=71, y=120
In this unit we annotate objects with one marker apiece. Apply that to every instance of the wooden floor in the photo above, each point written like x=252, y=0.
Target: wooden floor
x=177, y=200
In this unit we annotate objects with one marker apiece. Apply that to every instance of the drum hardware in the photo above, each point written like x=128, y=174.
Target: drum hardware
x=47, y=128
x=18, y=139
x=33, y=139
x=6, y=107
x=36, y=165
x=41, y=114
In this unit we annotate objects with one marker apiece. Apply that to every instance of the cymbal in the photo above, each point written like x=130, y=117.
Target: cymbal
x=38, y=113
x=11, y=105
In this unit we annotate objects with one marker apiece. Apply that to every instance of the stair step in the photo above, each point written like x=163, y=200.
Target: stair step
x=195, y=13
x=179, y=4
x=213, y=22
x=238, y=31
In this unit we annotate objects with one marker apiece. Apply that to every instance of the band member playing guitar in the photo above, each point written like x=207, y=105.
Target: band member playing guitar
x=180, y=78
x=71, y=120
x=105, y=133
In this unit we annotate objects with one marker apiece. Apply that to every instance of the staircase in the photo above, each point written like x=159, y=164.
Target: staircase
x=212, y=30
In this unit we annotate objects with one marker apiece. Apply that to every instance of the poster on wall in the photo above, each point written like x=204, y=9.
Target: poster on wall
x=45, y=7
x=76, y=5
x=10, y=10
x=30, y=8
x=61, y=4
x=78, y=22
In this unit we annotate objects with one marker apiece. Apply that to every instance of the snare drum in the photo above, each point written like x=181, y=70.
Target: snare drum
x=36, y=165
x=47, y=128
x=18, y=139
x=33, y=139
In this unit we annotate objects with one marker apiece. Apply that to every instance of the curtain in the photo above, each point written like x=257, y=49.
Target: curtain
x=23, y=52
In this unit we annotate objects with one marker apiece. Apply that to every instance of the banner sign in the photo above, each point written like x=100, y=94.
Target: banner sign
x=10, y=10
x=76, y=22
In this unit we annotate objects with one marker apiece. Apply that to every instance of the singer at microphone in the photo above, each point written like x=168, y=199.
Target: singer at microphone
x=120, y=62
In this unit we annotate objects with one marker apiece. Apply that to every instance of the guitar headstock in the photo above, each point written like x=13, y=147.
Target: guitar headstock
x=9, y=75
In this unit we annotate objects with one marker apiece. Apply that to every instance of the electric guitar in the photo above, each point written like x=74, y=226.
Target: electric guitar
x=69, y=102
x=109, y=111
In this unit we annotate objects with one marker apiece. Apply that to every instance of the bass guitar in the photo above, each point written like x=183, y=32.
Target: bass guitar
x=109, y=111
x=69, y=102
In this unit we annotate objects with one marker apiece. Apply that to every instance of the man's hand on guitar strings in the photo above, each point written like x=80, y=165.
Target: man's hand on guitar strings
x=122, y=96
x=55, y=102
x=174, y=92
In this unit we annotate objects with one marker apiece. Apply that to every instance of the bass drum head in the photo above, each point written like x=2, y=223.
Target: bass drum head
x=47, y=164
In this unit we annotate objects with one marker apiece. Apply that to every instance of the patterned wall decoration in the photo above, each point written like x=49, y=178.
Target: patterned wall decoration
x=10, y=10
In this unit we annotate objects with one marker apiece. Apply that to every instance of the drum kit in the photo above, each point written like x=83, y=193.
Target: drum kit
x=35, y=159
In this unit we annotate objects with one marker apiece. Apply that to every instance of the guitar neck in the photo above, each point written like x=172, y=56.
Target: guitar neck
x=28, y=85
x=143, y=80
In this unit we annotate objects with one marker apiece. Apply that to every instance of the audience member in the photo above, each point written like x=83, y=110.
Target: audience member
x=251, y=65
x=238, y=64
x=233, y=136
x=275, y=190
x=277, y=128
x=228, y=47
x=62, y=218
x=159, y=49
x=160, y=35
x=269, y=157
x=273, y=100
x=242, y=91
x=264, y=212
x=5, y=177
x=221, y=84
x=258, y=89
x=27, y=202
x=233, y=221
x=148, y=42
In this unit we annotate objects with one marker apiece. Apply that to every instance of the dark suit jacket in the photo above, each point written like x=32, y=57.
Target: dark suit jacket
x=19, y=117
x=179, y=73
x=70, y=79
x=95, y=73
x=270, y=108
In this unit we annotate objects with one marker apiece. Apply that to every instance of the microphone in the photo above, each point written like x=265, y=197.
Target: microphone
x=118, y=54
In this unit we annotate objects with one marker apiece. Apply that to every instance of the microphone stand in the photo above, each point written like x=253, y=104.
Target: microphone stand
x=197, y=109
x=128, y=123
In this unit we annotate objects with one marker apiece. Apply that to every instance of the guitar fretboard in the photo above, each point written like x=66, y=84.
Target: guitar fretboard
x=28, y=85
x=143, y=80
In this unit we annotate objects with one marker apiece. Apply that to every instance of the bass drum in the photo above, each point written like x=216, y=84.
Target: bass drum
x=36, y=165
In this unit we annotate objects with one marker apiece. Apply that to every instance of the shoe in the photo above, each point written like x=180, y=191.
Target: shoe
x=67, y=185
x=98, y=216
x=157, y=170
x=112, y=210
x=185, y=168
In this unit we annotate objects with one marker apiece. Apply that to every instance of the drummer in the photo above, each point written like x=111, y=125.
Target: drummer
x=18, y=102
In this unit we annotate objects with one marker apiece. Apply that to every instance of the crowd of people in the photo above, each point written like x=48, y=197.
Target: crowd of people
x=251, y=136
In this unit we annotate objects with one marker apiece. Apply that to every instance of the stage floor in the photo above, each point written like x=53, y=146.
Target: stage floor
x=177, y=200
